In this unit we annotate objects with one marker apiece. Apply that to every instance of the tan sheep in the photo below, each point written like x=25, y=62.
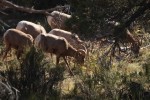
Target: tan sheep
x=60, y=47
x=57, y=20
x=72, y=39
x=16, y=39
x=30, y=28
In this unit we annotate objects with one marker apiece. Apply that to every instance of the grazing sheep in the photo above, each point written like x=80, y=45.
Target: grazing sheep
x=129, y=38
x=57, y=20
x=125, y=36
x=72, y=39
x=60, y=47
x=30, y=28
x=16, y=39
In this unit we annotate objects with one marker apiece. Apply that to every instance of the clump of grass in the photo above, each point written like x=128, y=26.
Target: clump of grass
x=33, y=75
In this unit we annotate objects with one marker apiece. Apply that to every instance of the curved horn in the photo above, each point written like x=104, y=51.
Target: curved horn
x=82, y=52
x=83, y=47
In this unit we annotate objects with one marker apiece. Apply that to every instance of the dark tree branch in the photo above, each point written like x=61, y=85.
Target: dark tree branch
x=8, y=4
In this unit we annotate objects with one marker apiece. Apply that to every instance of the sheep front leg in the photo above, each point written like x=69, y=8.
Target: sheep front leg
x=57, y=60
x=19, y=52
x=8, y=48
x=68, y=66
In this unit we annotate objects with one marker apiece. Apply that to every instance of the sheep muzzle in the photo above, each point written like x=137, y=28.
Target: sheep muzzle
x=80, y=56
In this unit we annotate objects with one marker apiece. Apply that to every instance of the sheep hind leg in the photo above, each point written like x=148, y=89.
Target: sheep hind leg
x=57, y=60
x=71, y=73
x=18, y=53
x=8, y=48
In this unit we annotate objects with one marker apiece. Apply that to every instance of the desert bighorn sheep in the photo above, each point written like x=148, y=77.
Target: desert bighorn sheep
x=57, y=20
x=16, y=39
x=72, y=39
x=30, y=28
x=60, y=47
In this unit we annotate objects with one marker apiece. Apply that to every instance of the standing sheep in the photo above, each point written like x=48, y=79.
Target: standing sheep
x=60, y=47
x=72, y=39
x=57, y=20
x=16, y=39
x=30, y=28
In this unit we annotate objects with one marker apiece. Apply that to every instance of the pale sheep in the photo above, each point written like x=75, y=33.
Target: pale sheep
x=60, y=47
x=72, y=39
x=16, y=39
x=57, y=20
x=30, y=28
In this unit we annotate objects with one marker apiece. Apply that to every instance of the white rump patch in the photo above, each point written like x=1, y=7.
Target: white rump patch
x=20, y=25
x=49, y=19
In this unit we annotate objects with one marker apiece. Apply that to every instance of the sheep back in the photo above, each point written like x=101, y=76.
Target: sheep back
x=71, y=38
x=51, y=43
x=30, y=28
x=57, y=20
x=17, y=38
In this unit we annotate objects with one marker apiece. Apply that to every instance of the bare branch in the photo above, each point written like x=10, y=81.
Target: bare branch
x=11, y=5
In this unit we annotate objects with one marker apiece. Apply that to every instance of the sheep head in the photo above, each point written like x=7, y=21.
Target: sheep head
x=76, y=38
x=135, y=48
x=80, y=56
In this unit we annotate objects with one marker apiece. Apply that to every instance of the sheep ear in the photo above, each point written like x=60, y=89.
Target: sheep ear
x=82, y=52
x=76, y=35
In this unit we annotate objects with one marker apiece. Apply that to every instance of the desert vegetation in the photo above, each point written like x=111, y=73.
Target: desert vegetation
x=116, y=65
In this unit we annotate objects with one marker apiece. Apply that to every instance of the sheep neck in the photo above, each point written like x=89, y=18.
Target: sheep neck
x=72, y=52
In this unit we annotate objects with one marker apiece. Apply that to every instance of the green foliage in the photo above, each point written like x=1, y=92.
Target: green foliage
x=33, y=75
x=88, y=16
x=91, y=17
x=32, y=69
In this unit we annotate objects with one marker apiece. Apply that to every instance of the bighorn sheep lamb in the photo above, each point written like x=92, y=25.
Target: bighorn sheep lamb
x=60, y=47
x=57, y=20
x=30, y=28
x=16, y=39
x=72, y=39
